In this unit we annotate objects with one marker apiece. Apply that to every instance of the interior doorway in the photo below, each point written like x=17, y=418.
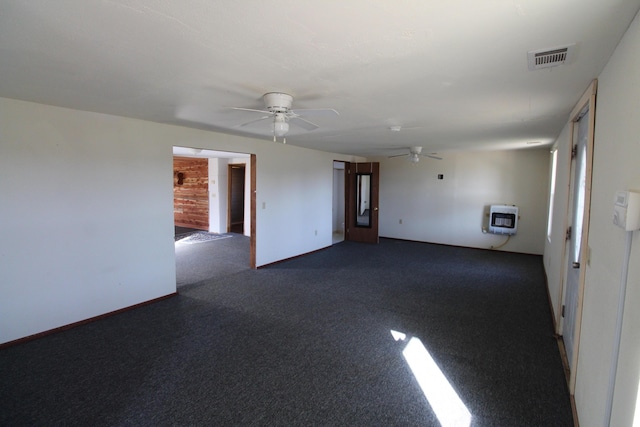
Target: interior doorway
x=218, y=182
x=338, y=221
x=236, y=198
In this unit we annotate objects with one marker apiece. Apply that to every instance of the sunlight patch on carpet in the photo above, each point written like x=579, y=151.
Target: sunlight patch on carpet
x=199, y=237
x=444, y=400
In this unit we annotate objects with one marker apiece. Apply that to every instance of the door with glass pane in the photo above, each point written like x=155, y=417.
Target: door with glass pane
x=574, y=250
x=362, y=202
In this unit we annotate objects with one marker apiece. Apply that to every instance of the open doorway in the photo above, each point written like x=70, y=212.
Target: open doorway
x=339, y=171
x=236, y=198
x=212, y=209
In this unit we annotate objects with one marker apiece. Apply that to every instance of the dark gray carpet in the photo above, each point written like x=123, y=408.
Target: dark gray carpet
x=212, y=260
x=307, y=342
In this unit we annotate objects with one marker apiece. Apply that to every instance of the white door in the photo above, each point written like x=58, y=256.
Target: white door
x=575, y=257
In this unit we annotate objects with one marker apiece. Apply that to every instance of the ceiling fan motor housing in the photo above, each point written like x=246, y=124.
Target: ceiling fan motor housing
x=277, y=102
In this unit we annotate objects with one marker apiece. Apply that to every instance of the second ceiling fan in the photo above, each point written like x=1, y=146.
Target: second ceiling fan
x=415, y=153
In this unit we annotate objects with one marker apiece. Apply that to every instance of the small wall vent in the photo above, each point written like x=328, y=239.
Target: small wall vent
x=546, y=58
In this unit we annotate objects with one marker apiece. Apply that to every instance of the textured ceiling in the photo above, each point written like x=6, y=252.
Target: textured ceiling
x=453, y=74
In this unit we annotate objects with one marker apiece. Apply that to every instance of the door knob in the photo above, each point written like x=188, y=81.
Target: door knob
x=375, y=209
x=575, y=264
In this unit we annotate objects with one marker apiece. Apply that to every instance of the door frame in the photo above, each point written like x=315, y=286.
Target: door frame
x=588, y=100
x=362, y=234
x=253, y=207
x=253, y=186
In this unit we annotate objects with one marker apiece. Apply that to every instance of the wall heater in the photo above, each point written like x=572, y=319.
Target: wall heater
x=503, y=219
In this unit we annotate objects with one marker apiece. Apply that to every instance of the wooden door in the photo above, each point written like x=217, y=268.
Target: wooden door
x=363, y=180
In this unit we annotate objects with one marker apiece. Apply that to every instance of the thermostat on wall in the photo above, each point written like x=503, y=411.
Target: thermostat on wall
x=626, y=210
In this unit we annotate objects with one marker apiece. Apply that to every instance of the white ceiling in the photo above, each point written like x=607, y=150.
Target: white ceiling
x=452, y=73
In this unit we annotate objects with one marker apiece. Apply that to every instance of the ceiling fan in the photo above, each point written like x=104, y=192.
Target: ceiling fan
x=278, y=109
x=414, y=155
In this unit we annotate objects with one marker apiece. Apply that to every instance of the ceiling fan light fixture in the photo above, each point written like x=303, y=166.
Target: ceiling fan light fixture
x=280, y=126
x=414, y=158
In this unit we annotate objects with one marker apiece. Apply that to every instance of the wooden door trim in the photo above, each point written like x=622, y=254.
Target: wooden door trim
x=252, y=237
x=347, y=200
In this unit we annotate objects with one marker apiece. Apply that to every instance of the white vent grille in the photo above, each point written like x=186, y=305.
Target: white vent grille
x=547, y=58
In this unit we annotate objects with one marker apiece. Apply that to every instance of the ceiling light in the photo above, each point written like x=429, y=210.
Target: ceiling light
x=414, y=158
x=280, y=125
x=280, y=128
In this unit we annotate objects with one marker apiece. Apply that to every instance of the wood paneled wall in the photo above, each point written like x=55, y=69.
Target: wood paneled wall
x=191, y=198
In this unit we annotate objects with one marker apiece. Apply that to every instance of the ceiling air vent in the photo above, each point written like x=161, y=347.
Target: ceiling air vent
x=546, y=58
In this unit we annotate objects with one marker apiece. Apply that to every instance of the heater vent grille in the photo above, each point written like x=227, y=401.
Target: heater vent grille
x=547, y=58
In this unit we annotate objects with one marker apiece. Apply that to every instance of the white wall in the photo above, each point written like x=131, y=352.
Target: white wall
x=218, y=195
x=87, y=216
x=453, y=210
x=616, y=167
x=295, y=201
x=87, y=210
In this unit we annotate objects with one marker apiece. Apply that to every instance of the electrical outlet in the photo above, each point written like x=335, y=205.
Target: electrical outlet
x=264, y=205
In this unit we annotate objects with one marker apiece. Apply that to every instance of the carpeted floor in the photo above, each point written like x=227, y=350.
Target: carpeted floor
x=308, y=342
x=199, y=237
x=188, y=236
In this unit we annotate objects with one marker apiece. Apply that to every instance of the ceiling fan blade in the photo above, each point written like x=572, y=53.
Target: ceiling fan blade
x=305, y=124
x=315, y=112
x=431, y=156
x=251, y=110
x=254, y=121
x=399, y=155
